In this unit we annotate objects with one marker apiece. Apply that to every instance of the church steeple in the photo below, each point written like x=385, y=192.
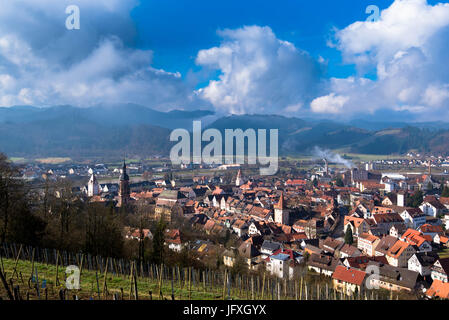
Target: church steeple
x=281, y=213
x=238, y=179
x=280, y=204
x=124, y=176
x=123, y=193
x=93, y=188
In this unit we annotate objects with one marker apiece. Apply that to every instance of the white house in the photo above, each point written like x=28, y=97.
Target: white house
x=173, y=239
x=278, y=265
x=413, y=217
x=421, y=262
x=440, y=270
x=253, y=229
x=367, y=243
x=431, y=208
x=239, y=227
x=390, y=184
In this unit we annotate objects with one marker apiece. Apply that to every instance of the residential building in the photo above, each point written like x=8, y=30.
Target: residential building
x=399, y=254
x=438, y=289
x=413, y=217
x=392, y=278
x=440, y=270
x=367, y=243
x=348, y=280
x=422, y=262
x=323, y=264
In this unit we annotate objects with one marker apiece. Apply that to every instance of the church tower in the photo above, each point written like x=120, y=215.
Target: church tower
x=93, y=188
x=238, y=180
x=123, y=193
x=281, y=214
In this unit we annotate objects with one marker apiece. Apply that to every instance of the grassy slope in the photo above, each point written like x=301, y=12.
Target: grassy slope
x=89, y=284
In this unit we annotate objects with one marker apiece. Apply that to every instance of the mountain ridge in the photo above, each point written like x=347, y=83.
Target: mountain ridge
x=134, y=129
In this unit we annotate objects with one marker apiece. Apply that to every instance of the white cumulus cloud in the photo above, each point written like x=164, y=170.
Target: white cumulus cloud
x=328, y=104
x=259, y=73
x=408, y=48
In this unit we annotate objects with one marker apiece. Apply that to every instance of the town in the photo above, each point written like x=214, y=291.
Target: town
x=335, y=221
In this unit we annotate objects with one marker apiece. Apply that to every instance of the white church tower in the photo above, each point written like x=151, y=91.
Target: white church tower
x=93, y=188
x=238, y=180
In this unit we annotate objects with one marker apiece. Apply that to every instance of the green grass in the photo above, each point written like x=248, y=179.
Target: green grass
x=88, y=284
x=17, y=159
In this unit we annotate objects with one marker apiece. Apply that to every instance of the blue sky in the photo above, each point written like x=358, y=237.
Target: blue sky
x=177, y=29
x=318, y=59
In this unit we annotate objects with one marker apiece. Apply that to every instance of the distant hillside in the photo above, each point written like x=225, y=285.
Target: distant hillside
x=297, y=136
x=399, y=141
x=382, y=125
x=79, y=137
x=120, y=114
x=75, y=132
x=66, y=131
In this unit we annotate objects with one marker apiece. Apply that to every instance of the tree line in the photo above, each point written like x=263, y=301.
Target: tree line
x=52, y=215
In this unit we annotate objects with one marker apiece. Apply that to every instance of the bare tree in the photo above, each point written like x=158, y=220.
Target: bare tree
x=11, y=192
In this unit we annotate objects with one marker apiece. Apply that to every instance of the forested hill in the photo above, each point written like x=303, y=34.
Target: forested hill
x=67, y=131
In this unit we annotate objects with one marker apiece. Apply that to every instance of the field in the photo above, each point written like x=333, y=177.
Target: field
x=372, y=157
x=350, y=156
x=55, y=160
x=18, y=159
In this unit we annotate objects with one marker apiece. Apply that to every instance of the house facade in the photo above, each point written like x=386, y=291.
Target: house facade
x=348, y=280
x=367, y=244
x=278, y=265
x=413, y=217
x=440, y=270
x=399, y=254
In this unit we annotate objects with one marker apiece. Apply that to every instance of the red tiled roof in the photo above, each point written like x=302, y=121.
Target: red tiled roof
x=430, y=228
x=415, y=237
x=397, y=249
x=295, y=182
x=438, y=289
x=368, y=237
x=349, y=275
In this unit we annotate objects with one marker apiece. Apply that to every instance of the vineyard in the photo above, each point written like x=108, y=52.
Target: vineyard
x=40, y=274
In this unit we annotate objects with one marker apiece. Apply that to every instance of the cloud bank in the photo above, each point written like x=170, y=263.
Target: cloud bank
x=407, y=48
x=43, y=63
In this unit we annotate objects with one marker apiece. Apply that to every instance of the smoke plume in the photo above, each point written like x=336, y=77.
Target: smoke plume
x=331, y=157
